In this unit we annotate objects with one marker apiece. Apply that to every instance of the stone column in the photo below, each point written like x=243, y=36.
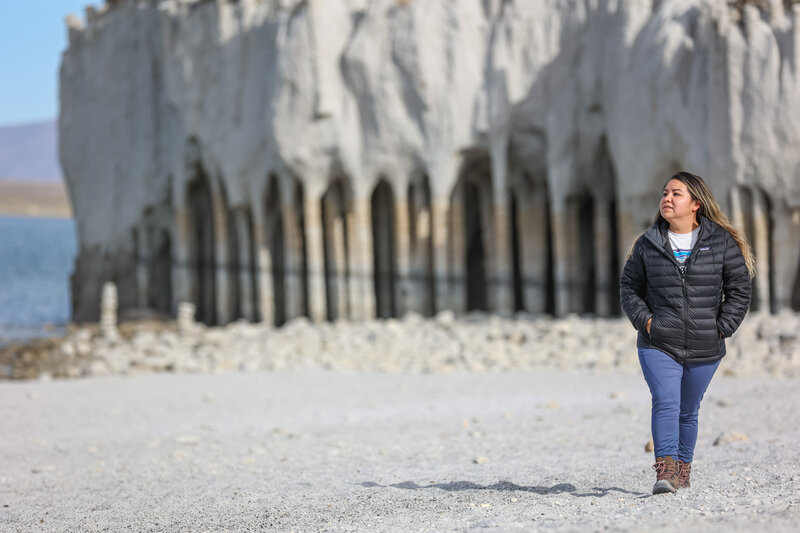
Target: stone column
x=603, y=254
x=788, y=254
x=336, y=254
x=246, y=289
x=737, y=209
x=420, y=260
x=533, y=224
x=742, y=216
x=293, y=250
x=499, y=271
x=340, y=280
x=439, y=228
x=565, y=259
x=362, y=293
x=406, y=290
x=457, y=253
x=266, y=292
x=221, y=252
x=184, y=286
x=786, y=258
x=761, y=247
x=143, y=252
x=315, y=257
x=424, y=259
x=500, y=297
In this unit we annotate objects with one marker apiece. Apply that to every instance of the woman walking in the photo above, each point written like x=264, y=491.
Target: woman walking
x=685, y=287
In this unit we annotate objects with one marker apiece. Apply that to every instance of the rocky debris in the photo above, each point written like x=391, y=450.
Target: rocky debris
x=475, y=343
x=730, y=436
x=650, y=446
x=37, y=359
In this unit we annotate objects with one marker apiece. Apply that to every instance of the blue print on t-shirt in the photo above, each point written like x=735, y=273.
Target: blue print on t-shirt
x=681, y=254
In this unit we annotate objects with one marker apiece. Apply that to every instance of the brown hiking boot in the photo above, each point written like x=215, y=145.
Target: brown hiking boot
x=684, y=471
x=666, y=475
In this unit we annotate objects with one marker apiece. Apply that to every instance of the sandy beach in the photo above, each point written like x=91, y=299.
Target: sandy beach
x=317, y=450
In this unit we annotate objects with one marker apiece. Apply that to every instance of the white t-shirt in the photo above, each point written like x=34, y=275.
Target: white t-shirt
x=682, y=243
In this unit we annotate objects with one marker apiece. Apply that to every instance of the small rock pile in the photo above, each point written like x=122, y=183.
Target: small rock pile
x=764, y=345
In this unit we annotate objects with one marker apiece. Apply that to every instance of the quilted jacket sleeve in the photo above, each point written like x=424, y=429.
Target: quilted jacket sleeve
x=632, y=289
x=736, y=288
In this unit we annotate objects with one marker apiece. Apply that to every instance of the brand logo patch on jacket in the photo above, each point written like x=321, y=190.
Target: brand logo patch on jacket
x=704, y=248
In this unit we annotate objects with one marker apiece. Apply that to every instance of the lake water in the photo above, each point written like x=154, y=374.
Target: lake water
x=36, y=260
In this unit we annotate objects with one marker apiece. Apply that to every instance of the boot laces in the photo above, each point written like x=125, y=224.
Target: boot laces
x=664, y=470
x=684, y=469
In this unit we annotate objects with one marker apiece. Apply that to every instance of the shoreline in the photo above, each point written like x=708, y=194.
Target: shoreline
x=49, y=216
x=34, y=199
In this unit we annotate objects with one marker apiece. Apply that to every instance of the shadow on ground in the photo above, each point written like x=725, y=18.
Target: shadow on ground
x=561, y=488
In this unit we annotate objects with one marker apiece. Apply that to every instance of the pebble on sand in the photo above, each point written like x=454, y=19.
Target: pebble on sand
x=730, y=436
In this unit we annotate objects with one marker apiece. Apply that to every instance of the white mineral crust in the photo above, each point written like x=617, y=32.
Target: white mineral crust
x=382, y=88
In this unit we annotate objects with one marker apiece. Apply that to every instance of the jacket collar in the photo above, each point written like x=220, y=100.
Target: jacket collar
x=657, y=233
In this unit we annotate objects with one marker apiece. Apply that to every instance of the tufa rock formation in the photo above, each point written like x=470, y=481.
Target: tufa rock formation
x=267, y=159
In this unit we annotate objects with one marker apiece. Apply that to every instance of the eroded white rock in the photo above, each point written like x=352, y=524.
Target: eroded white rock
x=556, y=98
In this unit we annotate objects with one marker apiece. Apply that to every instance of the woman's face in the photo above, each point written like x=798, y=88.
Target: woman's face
x=677, y=204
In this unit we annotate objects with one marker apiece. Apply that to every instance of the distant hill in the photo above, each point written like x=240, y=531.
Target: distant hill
x=28, y=153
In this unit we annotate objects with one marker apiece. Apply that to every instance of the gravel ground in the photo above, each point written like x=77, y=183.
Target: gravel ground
x=309, y=450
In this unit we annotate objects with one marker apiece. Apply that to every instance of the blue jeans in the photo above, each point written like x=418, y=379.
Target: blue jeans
x=676, y=390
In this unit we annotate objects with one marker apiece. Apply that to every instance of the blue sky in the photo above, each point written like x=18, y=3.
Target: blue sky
x=32, y=36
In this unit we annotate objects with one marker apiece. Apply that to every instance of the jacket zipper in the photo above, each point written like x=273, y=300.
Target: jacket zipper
x=682, y=269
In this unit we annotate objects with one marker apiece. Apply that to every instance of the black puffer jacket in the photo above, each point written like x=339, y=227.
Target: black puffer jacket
x=694, y=305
